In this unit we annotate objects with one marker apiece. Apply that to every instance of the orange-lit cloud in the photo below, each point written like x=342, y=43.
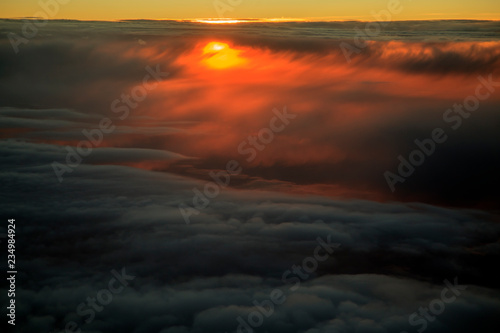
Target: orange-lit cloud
x=353, y=118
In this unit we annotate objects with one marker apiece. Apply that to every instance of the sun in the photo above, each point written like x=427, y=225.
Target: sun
x=219, y=55
x=215, y=47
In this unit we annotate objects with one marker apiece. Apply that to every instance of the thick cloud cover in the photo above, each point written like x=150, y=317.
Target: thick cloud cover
x=353, y=118
x=322, y=176
x=200, y=277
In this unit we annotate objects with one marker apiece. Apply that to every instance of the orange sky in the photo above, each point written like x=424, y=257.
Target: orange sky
x=191, y=9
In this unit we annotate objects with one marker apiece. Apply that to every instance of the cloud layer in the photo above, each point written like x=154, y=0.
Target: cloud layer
x=320, y=176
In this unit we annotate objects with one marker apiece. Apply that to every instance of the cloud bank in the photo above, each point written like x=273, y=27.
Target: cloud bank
x=321, y=176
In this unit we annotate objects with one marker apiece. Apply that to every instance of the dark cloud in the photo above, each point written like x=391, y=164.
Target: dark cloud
x=201, y=277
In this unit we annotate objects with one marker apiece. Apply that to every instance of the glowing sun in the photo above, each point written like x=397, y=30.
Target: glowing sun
x=220, y=56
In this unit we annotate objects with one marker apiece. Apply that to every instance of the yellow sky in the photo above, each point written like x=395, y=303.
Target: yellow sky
x=186, y=9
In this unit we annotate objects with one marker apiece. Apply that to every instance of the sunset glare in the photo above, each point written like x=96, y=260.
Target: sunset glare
x=220, y=56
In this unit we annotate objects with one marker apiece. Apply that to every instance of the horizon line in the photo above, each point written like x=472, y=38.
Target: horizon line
x=249, y=20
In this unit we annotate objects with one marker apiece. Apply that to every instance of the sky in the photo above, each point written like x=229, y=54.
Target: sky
x=298, y=9
x=293, y=177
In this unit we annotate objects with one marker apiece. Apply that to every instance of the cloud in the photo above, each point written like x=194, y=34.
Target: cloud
x=318, y=177
x=201, y=277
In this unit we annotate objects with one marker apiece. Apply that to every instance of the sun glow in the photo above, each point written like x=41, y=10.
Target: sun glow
x=218, y=21
x=214, y=47
x=220, y=56
x=251, y=20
